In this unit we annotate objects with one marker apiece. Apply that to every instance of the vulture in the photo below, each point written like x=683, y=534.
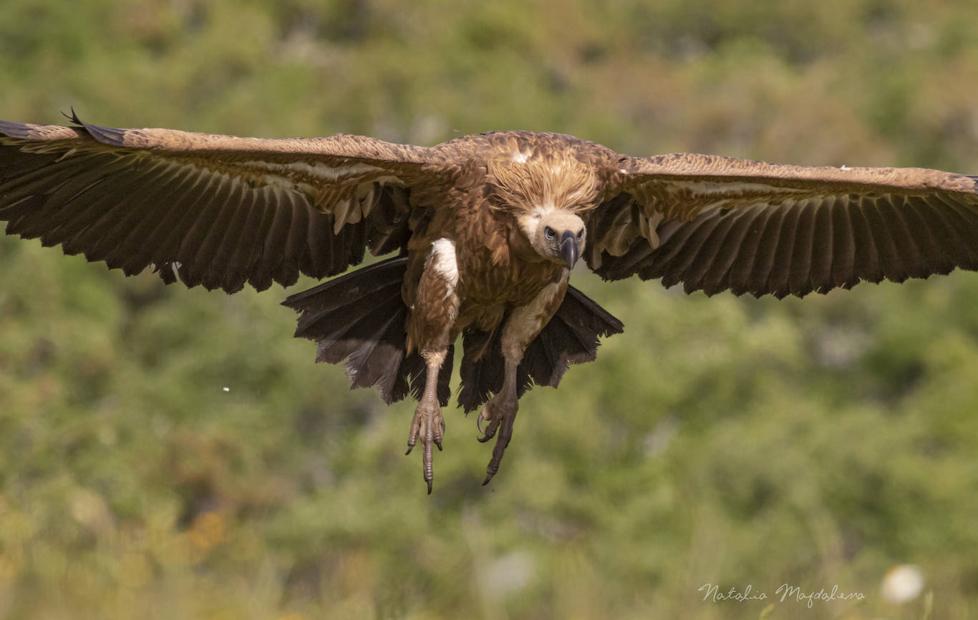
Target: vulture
x=480, y=234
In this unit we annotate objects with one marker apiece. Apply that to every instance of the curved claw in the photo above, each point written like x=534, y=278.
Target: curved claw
x=428, y=426
x=503, y=421
x=492, y=413
x=490, y=431
x=439, y=435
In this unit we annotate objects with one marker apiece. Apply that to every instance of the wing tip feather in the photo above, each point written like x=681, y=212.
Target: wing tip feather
x=35, y=133
x=110, y=136
x=11, y=129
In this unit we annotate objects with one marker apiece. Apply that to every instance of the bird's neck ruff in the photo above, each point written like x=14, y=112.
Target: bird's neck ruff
x=523, y=185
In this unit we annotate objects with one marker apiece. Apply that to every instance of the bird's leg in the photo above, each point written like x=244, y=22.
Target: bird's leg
x=431, y=327
x=523, y=325
x=500, y=413
x=428, y=425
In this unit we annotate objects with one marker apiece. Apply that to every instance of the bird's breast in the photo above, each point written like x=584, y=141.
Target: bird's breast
x=489, y=288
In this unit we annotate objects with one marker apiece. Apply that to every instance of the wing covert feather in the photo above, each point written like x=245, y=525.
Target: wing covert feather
x=752, y=227
x=220, y=211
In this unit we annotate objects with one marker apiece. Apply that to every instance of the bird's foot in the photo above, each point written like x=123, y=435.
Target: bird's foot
x=428, y=427
x=500, y=413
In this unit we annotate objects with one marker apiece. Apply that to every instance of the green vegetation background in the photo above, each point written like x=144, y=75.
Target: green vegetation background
x=724, y=440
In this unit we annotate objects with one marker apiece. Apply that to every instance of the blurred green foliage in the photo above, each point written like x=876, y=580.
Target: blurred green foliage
x=727, y=441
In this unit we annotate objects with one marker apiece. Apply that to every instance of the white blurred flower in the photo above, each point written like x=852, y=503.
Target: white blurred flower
x=510, y=573
x=661, y=436
x=902, y=584
x=89, y=509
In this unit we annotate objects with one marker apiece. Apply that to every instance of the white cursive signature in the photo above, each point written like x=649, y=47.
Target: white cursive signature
x=785, y=592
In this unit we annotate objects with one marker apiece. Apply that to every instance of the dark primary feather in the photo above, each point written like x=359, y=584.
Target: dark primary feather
x=757, y=228
x=211, y=210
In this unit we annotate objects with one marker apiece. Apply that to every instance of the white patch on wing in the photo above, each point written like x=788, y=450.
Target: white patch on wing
x=520, y=157
x=365, y=196
x=349, y=204
x=649, y=228
x=341, y=215
x=346, y=208
x=355, y=208
x=443, y=260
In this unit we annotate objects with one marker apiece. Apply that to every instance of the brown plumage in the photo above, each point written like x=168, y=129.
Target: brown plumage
x=486, y=229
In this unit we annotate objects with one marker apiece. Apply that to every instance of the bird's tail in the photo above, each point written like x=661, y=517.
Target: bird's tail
x=571, y=337
x=360, y=318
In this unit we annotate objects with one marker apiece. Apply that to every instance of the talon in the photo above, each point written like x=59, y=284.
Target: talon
x=489, y=412
x=502, y=415
x=490, y=431
x=491, y=470
x=413, y=434
x=439, y=435
x=428, y=427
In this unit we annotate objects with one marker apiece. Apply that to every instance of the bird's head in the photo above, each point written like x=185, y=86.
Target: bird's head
x=557, y=235
x=545, y=194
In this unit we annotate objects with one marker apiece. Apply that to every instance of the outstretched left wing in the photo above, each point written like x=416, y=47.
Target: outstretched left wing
x=210, y=209
x=715, y=223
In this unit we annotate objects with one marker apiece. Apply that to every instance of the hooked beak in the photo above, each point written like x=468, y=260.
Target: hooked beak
x=568, y=249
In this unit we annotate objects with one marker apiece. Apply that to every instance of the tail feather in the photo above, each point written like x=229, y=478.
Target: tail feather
x=360, y=318
x=376, y=364
x=482, y=368
x=313, y=322
x=571, y=337
x=338, y=294
x=340, y=334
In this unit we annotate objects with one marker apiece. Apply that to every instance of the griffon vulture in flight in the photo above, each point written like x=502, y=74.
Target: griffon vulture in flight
x=485, y=230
